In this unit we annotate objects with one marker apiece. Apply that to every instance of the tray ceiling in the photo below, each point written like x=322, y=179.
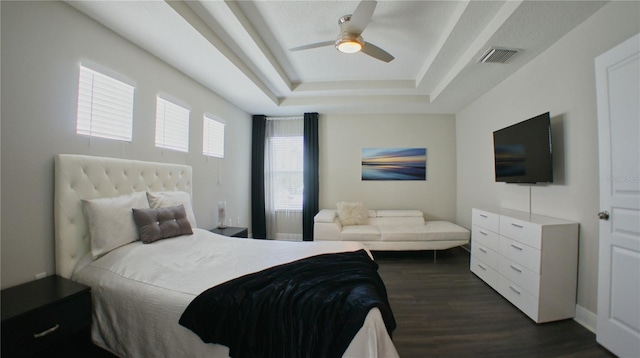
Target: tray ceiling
x=240, y=49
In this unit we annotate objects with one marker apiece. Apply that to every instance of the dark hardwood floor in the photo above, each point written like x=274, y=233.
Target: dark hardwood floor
x=444, y=310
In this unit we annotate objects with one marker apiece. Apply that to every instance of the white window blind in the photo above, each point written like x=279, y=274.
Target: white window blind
x=212, y=137
x=172, y=126
x=287, y=176
x=105, y=106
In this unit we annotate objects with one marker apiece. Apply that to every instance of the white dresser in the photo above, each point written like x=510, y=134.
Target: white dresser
x=531, y=260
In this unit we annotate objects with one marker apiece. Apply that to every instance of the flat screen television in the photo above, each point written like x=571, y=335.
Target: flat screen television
x=522, y=152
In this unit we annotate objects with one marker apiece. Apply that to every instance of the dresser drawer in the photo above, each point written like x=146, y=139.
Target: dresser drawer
x=486, y=237
x=520, y=275
x=485, y=254
x=519, y=297
x=36, y=330
x=486, y=273
x=523, y=231
x=485, y=219
x=522, y=254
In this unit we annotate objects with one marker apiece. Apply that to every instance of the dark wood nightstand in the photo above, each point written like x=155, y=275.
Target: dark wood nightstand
x=45, y=314
x=232, y=231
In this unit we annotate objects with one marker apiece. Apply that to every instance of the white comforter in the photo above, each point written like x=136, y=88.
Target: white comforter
x=140, y=291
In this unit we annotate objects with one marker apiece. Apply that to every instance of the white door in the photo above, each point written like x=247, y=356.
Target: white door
x=618, y=94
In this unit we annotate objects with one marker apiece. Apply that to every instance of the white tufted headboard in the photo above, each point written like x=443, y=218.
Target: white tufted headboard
x=85, y=177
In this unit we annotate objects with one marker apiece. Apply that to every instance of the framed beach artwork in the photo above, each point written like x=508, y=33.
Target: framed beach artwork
x=394, y=163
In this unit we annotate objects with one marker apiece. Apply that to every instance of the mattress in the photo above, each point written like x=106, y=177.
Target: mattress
x=139, y=291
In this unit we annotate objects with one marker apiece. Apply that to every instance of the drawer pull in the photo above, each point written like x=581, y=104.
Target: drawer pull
x=484, y=216
x=483, y=250
x=518, y=226
x=482, y=267
x=516, y=247
x=515, y=268
x=46, y=332
x=483, y=233
x=514, y=289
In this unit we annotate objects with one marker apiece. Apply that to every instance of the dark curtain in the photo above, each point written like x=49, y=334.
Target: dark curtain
x=310, y=194
x=258, y=217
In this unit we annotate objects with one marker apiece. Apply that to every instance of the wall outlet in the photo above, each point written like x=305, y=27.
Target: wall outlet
x=41, y=275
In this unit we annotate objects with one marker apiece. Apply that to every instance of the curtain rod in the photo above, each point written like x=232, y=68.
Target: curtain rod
x=284, y=118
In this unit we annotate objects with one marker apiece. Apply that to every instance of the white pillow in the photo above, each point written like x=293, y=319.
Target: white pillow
x=163, y=199
x=352, y=213
x=111, y=222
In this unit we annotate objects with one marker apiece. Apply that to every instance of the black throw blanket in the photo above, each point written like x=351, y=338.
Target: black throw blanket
x=311, y=307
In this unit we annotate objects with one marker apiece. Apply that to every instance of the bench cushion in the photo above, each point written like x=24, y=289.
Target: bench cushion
x=360, y=233
x=445, y=230
x=396, y=213
x=396, y=221
x=431, y=231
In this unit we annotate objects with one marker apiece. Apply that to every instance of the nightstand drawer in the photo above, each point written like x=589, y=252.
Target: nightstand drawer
x=37, y=329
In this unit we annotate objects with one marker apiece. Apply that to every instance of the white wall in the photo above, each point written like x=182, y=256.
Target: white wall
x=43, y=44
x=341, y=139
x=562, y=81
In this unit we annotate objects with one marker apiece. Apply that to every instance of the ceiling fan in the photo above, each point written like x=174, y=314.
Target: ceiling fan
x=350, y=40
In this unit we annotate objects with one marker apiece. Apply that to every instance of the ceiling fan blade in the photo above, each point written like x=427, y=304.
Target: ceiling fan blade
x=361, y=16
x=315, y=45
x=376, y=52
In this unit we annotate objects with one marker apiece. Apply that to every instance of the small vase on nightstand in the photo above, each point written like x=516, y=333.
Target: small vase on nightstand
x=222, y=211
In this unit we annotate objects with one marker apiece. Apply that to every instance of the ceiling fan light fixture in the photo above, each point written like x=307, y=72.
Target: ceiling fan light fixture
x=349, y=39
x=347, y=43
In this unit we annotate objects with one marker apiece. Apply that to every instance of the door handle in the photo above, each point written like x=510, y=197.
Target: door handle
x=603, y=215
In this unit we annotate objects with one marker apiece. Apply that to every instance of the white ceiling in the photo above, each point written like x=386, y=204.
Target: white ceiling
x=240, y=49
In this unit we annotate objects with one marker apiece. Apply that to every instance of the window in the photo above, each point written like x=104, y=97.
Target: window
x=283, y=177
x=172, y=126
x=212, y=137
x=287, y=172
x=105, y=106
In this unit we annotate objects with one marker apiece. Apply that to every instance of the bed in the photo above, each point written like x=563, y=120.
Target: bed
x=140, y=291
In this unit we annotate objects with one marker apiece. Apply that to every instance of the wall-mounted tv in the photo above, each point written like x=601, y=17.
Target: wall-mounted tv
x=522, y=152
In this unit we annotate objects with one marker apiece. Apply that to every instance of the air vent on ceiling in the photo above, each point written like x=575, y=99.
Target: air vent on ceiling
x=497, y=55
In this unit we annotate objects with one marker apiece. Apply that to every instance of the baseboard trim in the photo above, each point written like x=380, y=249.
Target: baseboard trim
x=586, y=318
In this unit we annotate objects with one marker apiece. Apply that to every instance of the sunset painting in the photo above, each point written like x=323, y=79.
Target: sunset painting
x=394, y=163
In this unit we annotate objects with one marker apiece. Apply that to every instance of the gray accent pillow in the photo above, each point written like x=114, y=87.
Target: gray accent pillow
x=161, y=199
x=161, y=223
